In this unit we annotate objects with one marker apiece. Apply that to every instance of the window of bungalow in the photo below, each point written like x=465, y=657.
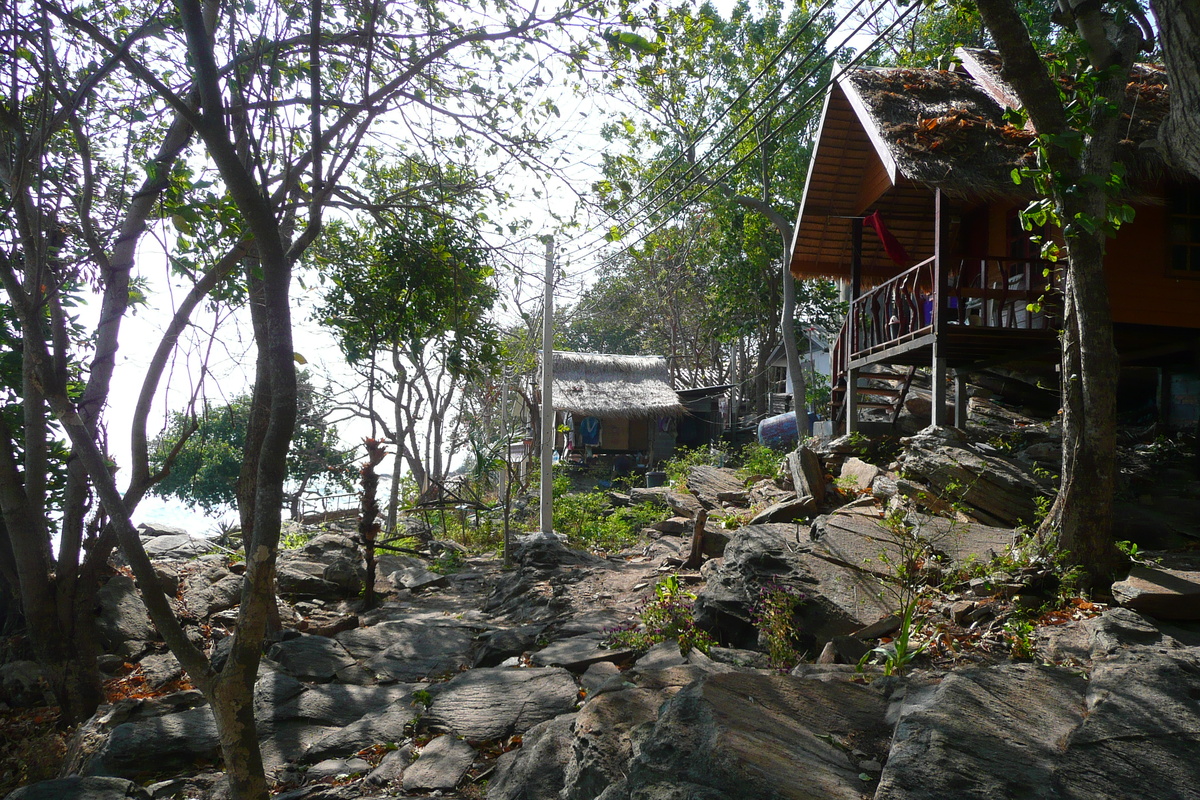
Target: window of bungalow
x=1183, y=229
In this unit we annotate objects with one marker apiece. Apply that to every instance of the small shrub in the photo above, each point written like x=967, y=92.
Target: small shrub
x=773, y=615
x=668, y=615
x=759, y=461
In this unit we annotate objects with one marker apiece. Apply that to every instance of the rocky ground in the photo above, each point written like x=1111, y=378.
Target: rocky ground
x=494, y=683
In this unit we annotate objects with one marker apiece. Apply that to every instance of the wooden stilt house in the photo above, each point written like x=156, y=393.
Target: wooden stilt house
x=910, y=201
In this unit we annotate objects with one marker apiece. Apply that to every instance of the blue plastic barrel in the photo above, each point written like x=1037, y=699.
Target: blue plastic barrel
x=779, y=432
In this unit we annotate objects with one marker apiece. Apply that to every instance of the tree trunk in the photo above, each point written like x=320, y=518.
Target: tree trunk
x=1178, y=32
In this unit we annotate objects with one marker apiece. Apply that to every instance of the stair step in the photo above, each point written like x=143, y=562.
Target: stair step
x=879, y=392
x=883, y=376
x=861, y=404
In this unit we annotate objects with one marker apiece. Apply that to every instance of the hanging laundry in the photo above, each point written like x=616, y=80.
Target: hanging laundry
x=589, y=431
x=891, y=245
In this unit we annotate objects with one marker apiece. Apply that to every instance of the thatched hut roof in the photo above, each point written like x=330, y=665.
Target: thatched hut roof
x=608, y=385
x=889, y=136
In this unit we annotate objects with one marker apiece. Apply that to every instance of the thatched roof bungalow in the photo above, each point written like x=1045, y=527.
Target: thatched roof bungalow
x=950, y=278
x=631, y=396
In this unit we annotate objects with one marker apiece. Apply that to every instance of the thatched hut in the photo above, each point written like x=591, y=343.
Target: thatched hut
x=615, y=403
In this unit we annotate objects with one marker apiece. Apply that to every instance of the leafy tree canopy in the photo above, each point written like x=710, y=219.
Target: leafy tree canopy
x=206, y=467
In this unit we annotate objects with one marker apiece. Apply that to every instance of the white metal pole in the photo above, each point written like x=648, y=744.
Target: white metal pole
x=548, y=394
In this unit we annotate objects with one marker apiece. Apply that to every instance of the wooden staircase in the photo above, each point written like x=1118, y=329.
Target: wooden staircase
x=889, y=398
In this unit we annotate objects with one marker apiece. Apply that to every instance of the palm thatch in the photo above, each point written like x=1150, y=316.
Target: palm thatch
x=607, y=385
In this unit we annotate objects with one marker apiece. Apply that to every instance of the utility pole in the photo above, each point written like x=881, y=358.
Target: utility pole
x=548, y=394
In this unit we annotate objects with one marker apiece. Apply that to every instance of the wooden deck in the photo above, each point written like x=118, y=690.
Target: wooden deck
x=962, y=346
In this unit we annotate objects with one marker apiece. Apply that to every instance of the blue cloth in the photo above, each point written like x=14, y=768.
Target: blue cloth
x=589, y=431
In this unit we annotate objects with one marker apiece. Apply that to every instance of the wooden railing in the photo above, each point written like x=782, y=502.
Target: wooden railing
x=999, y=293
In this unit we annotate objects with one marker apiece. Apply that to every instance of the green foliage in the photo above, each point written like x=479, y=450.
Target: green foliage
x=589, y=520
x=678, y=466
x=205, y=470
x=668, y=615
x=1018, y=632
x=448, y=562
x=758, y=460
x=417, y=278
x=774, y=615
x=896, y=658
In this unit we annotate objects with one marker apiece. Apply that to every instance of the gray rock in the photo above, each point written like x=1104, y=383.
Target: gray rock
x=603, y=743
x=150, y=530
x=578, y=652
x=838, y=599
x=160, y=669
x=175, y=547
x=1161, y=593
x=498, y=646
x=750, y=736
x=998, y=489
x=490, y=703
x=80, y=788
x=310, y=658
x=21, y=685
x=859, y=471
x=992, y=733
x=122, y=615
x=299, y=577
x=598, y=674
x=391, y=767
x=398, y=651
x=656, y=496
x=335, y=767
x=417, y=578
x=712, y=485
x=441, y=765
x=210, y=590
x=157, y=744
x=387, y=723
x=786, y=511
x=535, y=771
x=346, y=574
x=540, y=552
x=808, y=476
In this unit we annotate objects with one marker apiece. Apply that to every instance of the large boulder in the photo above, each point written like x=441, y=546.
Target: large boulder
x=838, y=599
x=535, y=771
x=441, y=766
x=750, y=736
x=808, y=476
x=602, y=748
x=211, y=589
x=997, y=490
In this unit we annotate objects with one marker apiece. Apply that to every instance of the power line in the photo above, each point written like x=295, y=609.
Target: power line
x=767, y=138
x=712, y=153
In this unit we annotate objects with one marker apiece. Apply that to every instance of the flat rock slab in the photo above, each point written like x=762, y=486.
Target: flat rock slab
x=442, y=765
x=175, y=546
x=80, y=788
x=578, y=653
x=1045, y=732
x=487, y=704
x=398, y=651
x=754, y=736
x=1161, y=593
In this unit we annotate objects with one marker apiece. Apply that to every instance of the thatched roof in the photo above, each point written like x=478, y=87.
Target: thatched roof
x=889, y=136
x=607, y=385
